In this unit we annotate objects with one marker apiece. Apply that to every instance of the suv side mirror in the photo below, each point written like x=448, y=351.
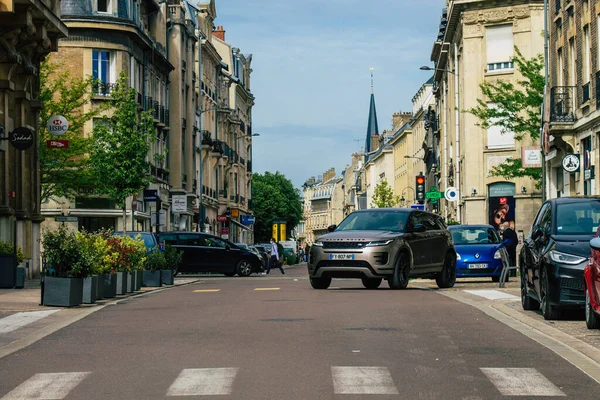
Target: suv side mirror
x=331, y=228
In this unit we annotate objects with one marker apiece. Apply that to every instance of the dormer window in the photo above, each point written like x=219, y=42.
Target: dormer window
x=104, y=6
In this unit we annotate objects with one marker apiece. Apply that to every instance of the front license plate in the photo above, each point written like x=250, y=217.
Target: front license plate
x=478, y=266
x=341, y=256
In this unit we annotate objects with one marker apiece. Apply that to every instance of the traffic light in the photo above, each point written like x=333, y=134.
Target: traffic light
x=420, y=188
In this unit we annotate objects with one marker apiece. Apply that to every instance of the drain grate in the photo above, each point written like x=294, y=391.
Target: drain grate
x=373, y=329
x=286, y=319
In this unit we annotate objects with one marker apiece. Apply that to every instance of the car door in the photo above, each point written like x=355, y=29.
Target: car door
x=417, y=241
x=441, y=239
x=222, y=255
x=194, y=252
x=539, y=242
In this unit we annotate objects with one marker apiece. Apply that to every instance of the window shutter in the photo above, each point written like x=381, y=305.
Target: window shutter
x=496, y=139
x=499, y=43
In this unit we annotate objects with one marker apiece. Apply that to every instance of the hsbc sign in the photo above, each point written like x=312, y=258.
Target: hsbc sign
x=58, y=125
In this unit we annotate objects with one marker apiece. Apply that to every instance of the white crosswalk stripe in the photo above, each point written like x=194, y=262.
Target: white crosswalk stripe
x=362, y=380
x=203, y=382
x=48, y=386
x=521, y=382
x=493, y=294
x=18, y=320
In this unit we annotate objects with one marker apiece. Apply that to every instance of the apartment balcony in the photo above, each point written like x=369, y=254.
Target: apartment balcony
x=562, y=104
x=242, y=127
x=155, y=110
x=206, y=138
x=242, y=161
x=161, y=114
x=103, y=89
x=149, y=103
x=235, y=199
x=167, y=120
x=223, y=193
x=217, y=147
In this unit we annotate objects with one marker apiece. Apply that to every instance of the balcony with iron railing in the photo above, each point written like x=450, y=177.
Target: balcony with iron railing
x=562, y=103
x=217, y=147
x=223, y=193
x=242, y=161
x=206, y=138
x=167, y=120
x=155, y=110
x=161, y=114
x=149, y=103
x=100, y=89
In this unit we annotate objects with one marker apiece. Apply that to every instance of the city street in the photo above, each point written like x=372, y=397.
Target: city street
x=273, y=337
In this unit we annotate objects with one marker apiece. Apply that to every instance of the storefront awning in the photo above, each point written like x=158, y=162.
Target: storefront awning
x=239, y=224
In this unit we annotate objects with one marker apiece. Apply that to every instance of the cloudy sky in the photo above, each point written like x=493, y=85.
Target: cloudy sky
x=311, y=81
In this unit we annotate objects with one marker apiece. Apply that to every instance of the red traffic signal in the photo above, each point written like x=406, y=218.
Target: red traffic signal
x=420, y=189
x=420, y=180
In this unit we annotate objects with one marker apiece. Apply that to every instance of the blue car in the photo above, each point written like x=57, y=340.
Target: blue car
x=480, y=251
x=148, y=237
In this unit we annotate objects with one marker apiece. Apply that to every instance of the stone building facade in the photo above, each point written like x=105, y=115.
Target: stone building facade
x=474, y=45
x=30, y=31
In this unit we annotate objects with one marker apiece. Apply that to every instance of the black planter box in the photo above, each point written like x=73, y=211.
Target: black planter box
x=139, y=277
x=110, y=286
x=152, y=279
x=100, y=286
x=8, y=271
x=90, y=289
x=130, y=283
x=167, y=276
x=121, y=283
x=62, y=292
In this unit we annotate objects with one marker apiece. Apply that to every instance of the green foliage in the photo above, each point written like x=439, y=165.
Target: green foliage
x=125, y=254
x=517, y=110
x=173, y=257
x=9, y=249
x=274, y=198
x=121, y=145
x=64, y=171
x=155, y=260
x=64, y=255
x=94, y=251
x=384, y=196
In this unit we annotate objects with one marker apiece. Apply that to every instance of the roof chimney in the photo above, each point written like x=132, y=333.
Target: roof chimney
x=219, y=32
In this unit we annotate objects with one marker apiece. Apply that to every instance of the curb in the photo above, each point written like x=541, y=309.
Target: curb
x=580, y=354
x=56, y=326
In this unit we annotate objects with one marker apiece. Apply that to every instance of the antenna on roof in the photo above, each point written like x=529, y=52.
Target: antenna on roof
x=372, y=69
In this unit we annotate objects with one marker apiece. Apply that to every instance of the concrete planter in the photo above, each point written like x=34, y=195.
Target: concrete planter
x=152, y=278
x=110, y=285
x=100, y=286
x=8, y=271
x=130, y=283
x=90, y=289
x=138, y=277
x=167, y=276
x=21, y=274
x=62, y=292
x=121, y=282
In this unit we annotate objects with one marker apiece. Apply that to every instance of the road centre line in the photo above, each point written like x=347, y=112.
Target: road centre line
x=266, y=289
x=207, y=291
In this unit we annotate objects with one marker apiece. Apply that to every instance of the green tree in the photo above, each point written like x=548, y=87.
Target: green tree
x=384, y=196
x=274, y=198
x=120, y=148
x=517, y=109
x=63, y=171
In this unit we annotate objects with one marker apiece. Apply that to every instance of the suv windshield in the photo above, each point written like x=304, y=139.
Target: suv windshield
x=462, y=236
x=375, y=221
x=581, y=218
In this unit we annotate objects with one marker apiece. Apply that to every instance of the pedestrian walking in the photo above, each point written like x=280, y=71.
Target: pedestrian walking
x=274, y=258
x=306, y=251
x=511, y=240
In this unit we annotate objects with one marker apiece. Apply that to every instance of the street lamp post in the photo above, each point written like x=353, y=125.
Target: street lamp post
x=402, y=199
x=456, y=126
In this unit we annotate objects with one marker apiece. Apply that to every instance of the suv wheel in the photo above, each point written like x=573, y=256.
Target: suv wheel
x=549, y=311
x=244, y=268
x=399, y=279
x=447, y=277
x=591, y=319
x=371, y=283
x=527, y=302
x=320, y=283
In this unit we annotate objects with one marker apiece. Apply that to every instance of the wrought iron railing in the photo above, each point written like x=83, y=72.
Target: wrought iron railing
x=562, y=104
x=161, y=114
x=149, y=102
x=103, y=89
x=206, y=138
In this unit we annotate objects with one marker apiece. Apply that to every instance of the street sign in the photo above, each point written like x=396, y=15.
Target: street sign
x=434, y=195
x=150, y=195
x=65, y=218
x=57, y=125
x=235, y=212
x=451, y=194
x=224, y=230
x=179, y=203
x=417, y=206
x=247, y=219
x=57, y=144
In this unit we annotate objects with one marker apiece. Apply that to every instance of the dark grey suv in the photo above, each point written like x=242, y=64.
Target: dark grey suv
x=384, y=243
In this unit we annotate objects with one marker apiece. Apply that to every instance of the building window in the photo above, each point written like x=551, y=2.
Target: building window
x=586, y=63
x=499, y=46
x=560, y=67
x=496, y=138
x=102, y=66
x=104, y=6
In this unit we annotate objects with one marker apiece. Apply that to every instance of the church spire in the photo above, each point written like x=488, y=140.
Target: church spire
x=372, y=127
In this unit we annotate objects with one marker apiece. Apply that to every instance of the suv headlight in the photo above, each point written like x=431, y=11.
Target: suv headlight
x=379, y=243
x=318, y=244
x=565, y=258
x=497, y=255
x=458, y=257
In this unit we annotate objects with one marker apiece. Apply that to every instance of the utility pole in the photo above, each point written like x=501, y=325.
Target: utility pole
x=545, y=117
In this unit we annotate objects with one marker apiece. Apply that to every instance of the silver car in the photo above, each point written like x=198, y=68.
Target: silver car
x=394, y=244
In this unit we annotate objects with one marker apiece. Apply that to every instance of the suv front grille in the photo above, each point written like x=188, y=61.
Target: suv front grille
x=344, y=245
x=343, y=263
x=571, y=283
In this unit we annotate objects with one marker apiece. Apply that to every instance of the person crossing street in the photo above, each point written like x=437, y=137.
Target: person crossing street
x=274, y=258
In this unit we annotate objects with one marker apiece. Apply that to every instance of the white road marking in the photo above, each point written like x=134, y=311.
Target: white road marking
x=362, y=380
x=521, y=382
x=203, y=382
x=493, y=294
x=18, y=320
x=51, y=386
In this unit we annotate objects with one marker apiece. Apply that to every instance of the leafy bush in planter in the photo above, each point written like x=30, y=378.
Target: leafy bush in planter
x=9, y=249
x=155, y=261
x=93, y=245
x=125, y=254
x=172, y=257
x=64, y=255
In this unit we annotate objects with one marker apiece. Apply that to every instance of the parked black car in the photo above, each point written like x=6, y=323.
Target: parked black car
x=555, y=253
x=208, y=253
x=394, y=244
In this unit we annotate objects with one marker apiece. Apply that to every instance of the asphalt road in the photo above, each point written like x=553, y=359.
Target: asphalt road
x=273, y=337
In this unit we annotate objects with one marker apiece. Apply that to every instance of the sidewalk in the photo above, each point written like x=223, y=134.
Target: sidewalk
x=29, y=322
